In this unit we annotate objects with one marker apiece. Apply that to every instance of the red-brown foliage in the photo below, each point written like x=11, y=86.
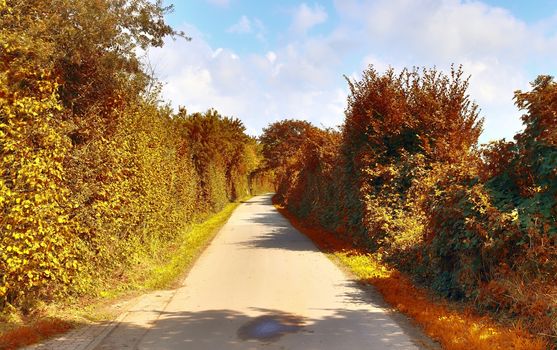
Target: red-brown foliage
x=444, y=322
x=407, y=179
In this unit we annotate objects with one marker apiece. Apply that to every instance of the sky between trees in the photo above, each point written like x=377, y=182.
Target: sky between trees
x=265, y=61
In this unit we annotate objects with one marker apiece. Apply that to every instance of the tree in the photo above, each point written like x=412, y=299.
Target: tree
x=281, y=142
x=396, y=126
x=222, y=153
x=68, y=77
x=90, y=45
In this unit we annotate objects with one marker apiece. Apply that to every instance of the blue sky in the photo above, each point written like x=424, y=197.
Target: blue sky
x=263, y=61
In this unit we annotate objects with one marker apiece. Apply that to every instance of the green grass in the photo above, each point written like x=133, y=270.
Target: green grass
x=363, y=266
x=161, y=265
x=193, y=242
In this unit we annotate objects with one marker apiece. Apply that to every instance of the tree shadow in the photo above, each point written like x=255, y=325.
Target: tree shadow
x=271, y=217
x=276, y=232
x=222, y=329
x=355, y=325
x=259, y=200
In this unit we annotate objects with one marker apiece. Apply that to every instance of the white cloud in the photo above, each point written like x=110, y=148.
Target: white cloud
x=443, y=29
x=242, y=26
x=246, y=25
x=260, y=29
x=221, y=3
x=257, y=88
x=216, y=52
x=306, y=17
x=271, y=56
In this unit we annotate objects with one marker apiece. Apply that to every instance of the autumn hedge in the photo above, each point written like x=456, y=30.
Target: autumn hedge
x=94, y=169
x=406, y=178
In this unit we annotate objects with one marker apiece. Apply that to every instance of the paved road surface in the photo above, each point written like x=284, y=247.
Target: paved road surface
x=262, y=285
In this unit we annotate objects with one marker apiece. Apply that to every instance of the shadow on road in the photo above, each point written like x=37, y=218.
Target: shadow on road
x=259, y=200
x=277, y=239
x=276, y=233
x=221, y=329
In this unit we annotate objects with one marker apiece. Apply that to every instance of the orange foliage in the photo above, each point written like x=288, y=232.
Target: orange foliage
x=455, y=329
x=31, y=334
x=406, y=178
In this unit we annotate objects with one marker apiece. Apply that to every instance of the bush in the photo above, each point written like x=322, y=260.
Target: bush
x=407, y=179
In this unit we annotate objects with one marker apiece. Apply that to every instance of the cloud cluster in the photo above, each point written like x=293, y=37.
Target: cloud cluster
x=302, y=77
x=306, y=17
x=258, y=88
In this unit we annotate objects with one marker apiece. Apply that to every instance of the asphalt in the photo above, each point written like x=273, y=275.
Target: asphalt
x=262, y=285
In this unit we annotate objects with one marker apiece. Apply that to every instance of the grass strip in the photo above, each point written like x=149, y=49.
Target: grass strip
x=194, y=241
x=452, y=327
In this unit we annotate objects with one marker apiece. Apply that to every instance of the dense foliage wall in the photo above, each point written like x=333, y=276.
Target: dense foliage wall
x=406, y=178
x=94, y=169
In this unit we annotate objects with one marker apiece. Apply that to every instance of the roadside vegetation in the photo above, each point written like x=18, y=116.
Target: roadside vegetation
x=100, y=181
x=456, y=326
x=406, y=179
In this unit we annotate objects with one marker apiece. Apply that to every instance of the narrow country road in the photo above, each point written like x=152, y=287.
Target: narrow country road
x=262, y=284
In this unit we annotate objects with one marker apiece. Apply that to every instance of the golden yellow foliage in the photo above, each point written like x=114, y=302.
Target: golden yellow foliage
x=38, y=249
x=94, y=171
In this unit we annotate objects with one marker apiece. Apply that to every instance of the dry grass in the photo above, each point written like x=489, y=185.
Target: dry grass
x=453, y=327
